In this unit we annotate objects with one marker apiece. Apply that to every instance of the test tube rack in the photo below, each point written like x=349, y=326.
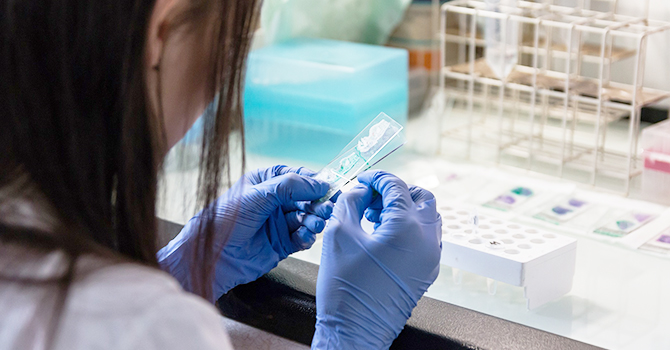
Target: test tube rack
x=552, y=112
x=542, y=263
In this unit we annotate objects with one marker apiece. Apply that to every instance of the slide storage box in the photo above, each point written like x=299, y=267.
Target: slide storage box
x=306, y=98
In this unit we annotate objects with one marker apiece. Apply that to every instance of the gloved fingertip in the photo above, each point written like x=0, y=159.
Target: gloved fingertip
x=334, y=198
x=294, y=219
x=328, y=207
x=360, y=190
x=427, y=211
x=372, y=215
x=305, y=171
x=303, y=238
x=324, y=187
x=419, y=194
x=295, y=187
x=319, y=226
x=367, y=177
x=429, y=204
x=314, y=223
x=324, y=209
x=277, y=170
x=353, y=203
x=321, y=209
x=377, y=201
x=362, y=186
x=320, y=187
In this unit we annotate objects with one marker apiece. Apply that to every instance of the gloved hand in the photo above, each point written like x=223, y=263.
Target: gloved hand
x=269, y=215
x=368, y=284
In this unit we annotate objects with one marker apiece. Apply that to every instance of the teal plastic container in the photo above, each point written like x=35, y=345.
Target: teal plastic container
x=305, y=99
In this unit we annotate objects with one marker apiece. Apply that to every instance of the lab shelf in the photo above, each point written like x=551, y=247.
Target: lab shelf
x=589, y=51
x=618, y=95
x=547, y=83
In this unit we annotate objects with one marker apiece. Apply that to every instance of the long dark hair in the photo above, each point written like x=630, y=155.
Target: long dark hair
x=77, y=138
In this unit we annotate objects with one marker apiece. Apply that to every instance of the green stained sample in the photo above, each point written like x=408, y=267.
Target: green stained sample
x=381, y=137
x=347, y=163
x=624, y=224
x=522, y=191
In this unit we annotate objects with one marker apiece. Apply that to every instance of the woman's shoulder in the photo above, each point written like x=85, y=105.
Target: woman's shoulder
x=107, y=306
x=140, y=307
x=128, y=285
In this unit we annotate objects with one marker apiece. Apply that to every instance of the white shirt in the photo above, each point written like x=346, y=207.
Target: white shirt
x=122, y=306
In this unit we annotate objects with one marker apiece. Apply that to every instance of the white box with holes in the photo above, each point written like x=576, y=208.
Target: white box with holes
x=542, y=263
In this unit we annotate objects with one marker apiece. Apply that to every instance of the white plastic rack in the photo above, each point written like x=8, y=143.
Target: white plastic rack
x=541, y=262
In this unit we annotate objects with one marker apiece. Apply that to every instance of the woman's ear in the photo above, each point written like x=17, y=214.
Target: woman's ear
x=159, y=25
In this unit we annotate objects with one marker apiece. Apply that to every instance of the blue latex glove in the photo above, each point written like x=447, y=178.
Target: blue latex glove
x=271, y=216
x=368, y=284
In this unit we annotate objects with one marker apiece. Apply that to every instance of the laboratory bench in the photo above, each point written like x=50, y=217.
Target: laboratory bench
x=619, y=297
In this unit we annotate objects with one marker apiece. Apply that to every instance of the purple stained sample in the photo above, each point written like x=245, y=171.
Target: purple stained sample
x=664, y=239
x=625, y=224
x=641, y=217
x=451, y=177
x=576, y=203
x=506, y=199
x=560, y=210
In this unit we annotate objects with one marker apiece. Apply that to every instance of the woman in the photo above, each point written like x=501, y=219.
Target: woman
x=92, y=96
